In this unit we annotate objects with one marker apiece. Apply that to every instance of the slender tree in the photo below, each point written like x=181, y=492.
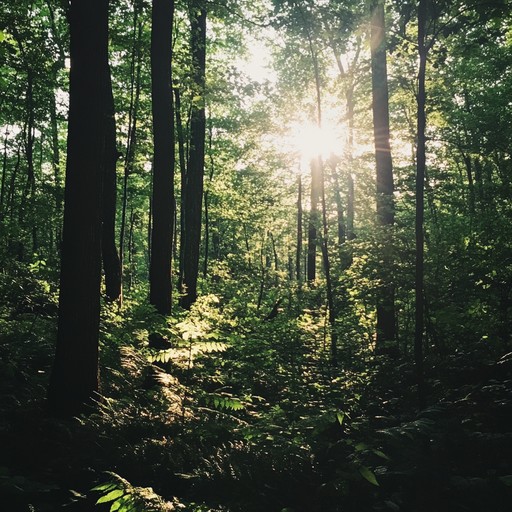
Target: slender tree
x=298, y=255
x=111, y=261
x=420, y=192
x=195, y=168
x=131, y=142
x=162, y=208
x=74, y=379
x=386, y=325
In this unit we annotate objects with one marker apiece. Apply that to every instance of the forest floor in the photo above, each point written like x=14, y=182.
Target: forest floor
x=261, y=424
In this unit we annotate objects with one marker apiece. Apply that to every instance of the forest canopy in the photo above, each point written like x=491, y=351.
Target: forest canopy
x=256, y=255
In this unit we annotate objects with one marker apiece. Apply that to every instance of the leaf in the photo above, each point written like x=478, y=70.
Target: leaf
x=367, y=474
x=111, y=496
x=381, y=454
x=115, y=506
x=105, y=487
x=340, y=416
x=359, y=447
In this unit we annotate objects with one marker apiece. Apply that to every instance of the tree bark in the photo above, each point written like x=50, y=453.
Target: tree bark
x=386, y=325
x=163, y=161
x=195, y=168
x=74, y=379
x=111, y=261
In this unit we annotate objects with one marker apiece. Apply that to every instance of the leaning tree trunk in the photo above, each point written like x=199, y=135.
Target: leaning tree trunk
x=386, y=326
x=160, y=288
x=195, y=168
x=74, y=379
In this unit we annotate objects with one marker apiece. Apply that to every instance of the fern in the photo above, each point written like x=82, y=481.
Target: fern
x=124, y=497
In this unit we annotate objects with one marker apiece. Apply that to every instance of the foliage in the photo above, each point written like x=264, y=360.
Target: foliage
x=235, y=405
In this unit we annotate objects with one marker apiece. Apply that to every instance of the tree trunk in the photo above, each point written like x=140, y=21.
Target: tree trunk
x=160, y=289
x=420, y=206
x=183, y=177
x=315, y=175
x=313, y=220
x=207, y=201
x=4, y=177
x=56, y=171
x=135, y=86
x=74, y=379
x=327, y=270
x=298, y=256
x=386, y=326
x=195, y=168
x=111, y=261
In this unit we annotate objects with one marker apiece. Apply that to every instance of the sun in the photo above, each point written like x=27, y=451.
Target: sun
x=307, y=140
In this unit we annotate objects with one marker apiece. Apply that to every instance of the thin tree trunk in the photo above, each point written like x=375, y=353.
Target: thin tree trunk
x=183, y=177
x=111, y=261
x=315, y=177
x=160, y=288
x=327, y=270
x=4, y=177
x=298, y=256
x=135, y=86
x=56, y=171
x=339, y=208
x=195, y=168
x=131, y=249
x=386, y=325
x=206, y=201
x=420, y=204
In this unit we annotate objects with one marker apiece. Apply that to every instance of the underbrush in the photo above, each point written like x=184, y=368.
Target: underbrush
x=238, y=413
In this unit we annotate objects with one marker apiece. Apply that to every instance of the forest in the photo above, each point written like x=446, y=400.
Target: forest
x=256, y=255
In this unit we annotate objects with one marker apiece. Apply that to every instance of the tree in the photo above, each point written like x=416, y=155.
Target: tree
x=163, y=204
x=386, y=329
x=194, y=182
x=111, y=261
x=74, y=379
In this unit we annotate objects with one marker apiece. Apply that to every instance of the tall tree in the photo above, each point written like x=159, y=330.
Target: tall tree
x=163, y=205
x=111, y=261
x=74, y=379
x=195, y=169
x=386, y=325
x=420, y=193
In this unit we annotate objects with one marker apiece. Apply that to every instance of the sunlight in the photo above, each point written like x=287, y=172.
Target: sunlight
x=307, y=140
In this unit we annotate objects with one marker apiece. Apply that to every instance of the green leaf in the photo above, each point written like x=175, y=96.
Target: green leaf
x=367, y=474
x=115, y=506
x=111, y=496
x=359, y=447
x=2, y=35
x=340, y=416
x=105, y=487
x=381, y=454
